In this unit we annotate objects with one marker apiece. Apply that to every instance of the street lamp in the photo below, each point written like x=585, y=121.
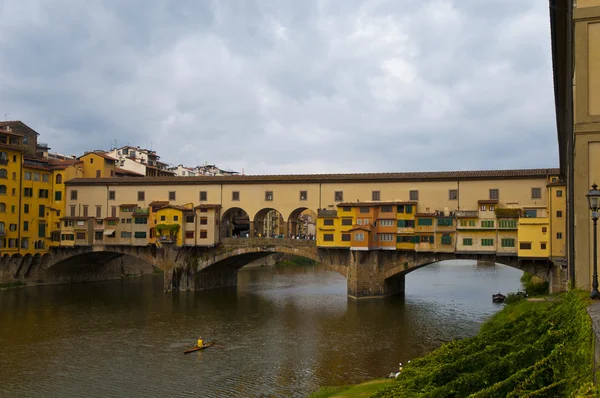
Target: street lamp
x=594, y=203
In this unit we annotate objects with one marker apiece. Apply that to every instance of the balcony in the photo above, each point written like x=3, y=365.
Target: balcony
x=327, y=213
x=467, y=213
x=140, y=211
x=3, y=161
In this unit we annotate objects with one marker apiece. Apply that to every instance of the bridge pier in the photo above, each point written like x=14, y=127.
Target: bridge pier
x=367, y=276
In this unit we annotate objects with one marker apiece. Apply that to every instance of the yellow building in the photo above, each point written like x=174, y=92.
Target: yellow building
x=11, y=160
x=98, y=165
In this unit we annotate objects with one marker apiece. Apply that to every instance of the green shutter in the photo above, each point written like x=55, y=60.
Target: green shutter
x=431, y=239
x=408, y=209
x=41, y=230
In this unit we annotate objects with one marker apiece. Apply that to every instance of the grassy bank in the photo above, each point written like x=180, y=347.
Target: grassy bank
x=11, y=285
x=529, y=349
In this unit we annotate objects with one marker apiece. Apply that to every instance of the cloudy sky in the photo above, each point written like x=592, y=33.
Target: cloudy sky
x=294, y=86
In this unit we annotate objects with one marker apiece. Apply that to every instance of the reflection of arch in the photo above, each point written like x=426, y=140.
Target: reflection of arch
x=302, y=222
x=270, y=222
x=235, y=221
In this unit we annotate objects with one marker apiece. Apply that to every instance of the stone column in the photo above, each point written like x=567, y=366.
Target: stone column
x=251, y=233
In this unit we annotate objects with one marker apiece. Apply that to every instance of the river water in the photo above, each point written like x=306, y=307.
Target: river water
x=283, y=332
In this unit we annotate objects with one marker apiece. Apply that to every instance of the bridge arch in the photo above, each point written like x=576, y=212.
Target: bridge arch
x=269, y=222
x=234, y=221
x=302, y=222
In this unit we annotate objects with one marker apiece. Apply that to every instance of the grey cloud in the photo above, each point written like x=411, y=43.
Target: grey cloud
x=287, y=86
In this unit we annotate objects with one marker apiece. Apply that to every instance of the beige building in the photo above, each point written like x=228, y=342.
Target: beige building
x=575, y=27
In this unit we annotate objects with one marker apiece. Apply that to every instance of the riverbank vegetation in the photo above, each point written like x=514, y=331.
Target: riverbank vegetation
x=11, y=285
x=534, y=286
x=295, y=261
x=529, y=349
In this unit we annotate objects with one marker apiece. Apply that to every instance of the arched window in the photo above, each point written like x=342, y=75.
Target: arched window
x=2, y=207
x=59, y=178
x=2, y=189
x=3, y=173
x=3, y=158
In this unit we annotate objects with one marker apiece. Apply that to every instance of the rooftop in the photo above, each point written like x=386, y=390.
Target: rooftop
x=316, y=178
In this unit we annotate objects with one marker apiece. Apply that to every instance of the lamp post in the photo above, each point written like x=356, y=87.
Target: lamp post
x=593, y=198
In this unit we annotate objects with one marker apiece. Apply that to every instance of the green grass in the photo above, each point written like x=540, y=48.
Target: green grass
x=366, y=389
x=295, y=261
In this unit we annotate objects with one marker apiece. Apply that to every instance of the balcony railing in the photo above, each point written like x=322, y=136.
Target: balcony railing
x=467, y=213
x=3, y=161
x=141, y=211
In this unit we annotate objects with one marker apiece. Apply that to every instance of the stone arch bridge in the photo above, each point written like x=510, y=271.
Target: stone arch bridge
x=369, y=273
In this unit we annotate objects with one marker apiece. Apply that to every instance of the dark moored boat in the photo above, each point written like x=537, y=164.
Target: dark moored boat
x=498, y=298
x=196, y=348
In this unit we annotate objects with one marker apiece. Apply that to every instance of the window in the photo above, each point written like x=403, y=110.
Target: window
x=98, y=211
x=543, y=246
x=328, y=221
x=141, y=220
x=559, y=235
x=345, y=237
x=142, y=234
x=386, y=238
x=536, y=193
x=544, y=229
x=346, y=221
x=162, y=218
x=80, y=235
x=375, y=195
x=12, y=227
x=559, y=213
x=483, y=208
x=113, y=211
x=508, y=242
x=426, y=239
x=487, y=224
x=446, y=239
x=525, y=245
x=36, y=176
x=141, y=196
x=85, y=210
x=204, y=210
x=364, y=210
x=507, y=223
x=72, y=211
x=235, y=195
x=26, y=208
x=172, y=195
x=405, y=223
x=25, y=243
x=73, y=195
x=25, y=225
x=425, y=221
x=303, y=195
x=386, y=223
x=42, y=211
x=453, y=194
x=359, y=237
x=346, y=208
x=189, y=218
x=59, y=178
x=491, y=208
x=414, y=195
x=28, y=192
x=91, y=160
x=387, y=209
x=339, y=196
x=125, y=234
x=444, y=222
x=559, y=193
x=269, y=195
x=203, y=196
x=58, y=196
x=3, y=173
x=3, y=207
x=328, y=237
x=98, y=235
x=531, y=213
x=494, y=194
x=98, y=173
x=487, y=242
x=203, y=221
x=27, y=175
x=112, y=195
x=203, y=234
x=175, y=218
x=189, y=234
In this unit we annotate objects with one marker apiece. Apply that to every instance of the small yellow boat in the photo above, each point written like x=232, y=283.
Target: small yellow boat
x=200, y=346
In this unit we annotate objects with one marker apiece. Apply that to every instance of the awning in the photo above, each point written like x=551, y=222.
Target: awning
x=109, y=232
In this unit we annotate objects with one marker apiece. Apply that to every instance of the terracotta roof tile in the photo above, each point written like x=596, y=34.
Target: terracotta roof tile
x=119, y=170
x=158, y=203
x=207, y=206
x=315, y=178
x=128, y=205
x=13, y=123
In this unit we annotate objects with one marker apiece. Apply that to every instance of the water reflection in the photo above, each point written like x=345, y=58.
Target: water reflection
x=285, y=332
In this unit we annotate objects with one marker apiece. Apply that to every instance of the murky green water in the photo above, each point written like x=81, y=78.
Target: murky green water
x=284, y=332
